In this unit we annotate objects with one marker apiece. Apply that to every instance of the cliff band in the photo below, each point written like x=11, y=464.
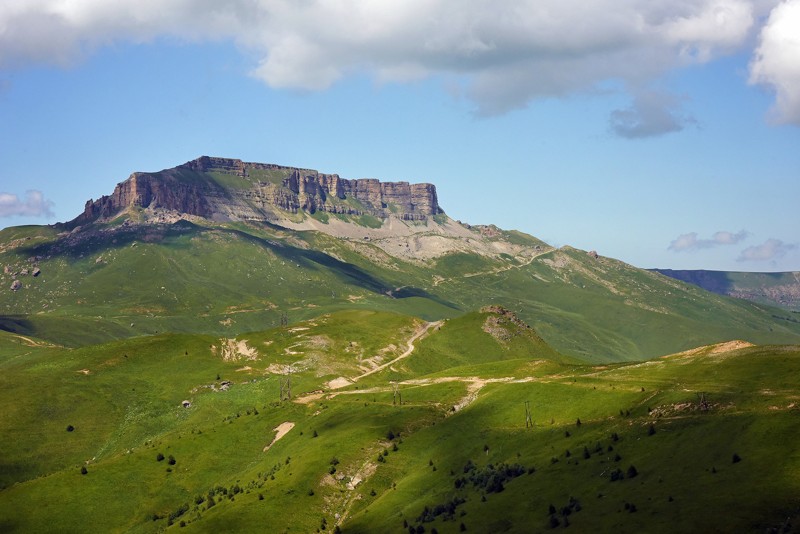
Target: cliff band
x=224, y=189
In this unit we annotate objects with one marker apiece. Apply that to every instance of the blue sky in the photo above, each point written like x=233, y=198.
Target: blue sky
x=665, y=134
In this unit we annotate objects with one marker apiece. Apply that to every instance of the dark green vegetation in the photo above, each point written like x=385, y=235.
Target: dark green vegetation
x=159, y=375
x=776, y=289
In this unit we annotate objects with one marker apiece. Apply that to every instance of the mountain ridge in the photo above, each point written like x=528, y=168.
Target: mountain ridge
x=777, y=289
x=227, y=189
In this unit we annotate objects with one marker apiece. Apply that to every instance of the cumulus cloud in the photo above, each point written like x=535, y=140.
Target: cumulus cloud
x=652, y=113
x=690, y=241
x=771, y=249
x=33, y=205
x=506, y=53
x=776, y=63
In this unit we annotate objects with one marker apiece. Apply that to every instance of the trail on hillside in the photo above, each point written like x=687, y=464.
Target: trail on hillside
x=439, y=280
x=423, y=330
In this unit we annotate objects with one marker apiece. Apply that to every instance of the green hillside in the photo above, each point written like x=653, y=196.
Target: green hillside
x=339, y=372
x=393, y=423
x=118, y=280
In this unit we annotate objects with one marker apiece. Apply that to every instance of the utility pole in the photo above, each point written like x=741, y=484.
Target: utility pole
x=704, y=405
x=286, y=386
x=397, y=398
x=528, y=419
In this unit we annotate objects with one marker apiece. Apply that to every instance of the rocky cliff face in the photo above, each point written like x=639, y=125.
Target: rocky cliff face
x=203, y=188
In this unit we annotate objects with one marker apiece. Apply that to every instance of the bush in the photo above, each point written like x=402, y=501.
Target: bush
x=70, y=428
x=651, y=430
x=159, y=457
x=84, y=470
x=632, y=472
x=171, y=460
x=736, y=458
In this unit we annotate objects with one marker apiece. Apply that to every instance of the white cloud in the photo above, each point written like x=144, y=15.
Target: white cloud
x=33, y=205
x=777, y=61
x=771, y=249
x=690, y=241
x=507, y=53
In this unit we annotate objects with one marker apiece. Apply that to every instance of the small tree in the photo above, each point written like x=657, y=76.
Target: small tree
x=84, y=470
x=70, y=428
x=159, y=457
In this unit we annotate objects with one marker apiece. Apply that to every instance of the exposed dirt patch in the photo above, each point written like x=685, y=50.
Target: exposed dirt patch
x=338, y=383
x=717, y=349
x=280, y=431
x=232, y=350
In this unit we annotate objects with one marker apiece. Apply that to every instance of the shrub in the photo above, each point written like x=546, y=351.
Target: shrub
x=736, y=458
x=70, y=428
x=159, y=457
x=390, y=435
x=632, y=472
x=84, y=470
x=651, y=430
x=171, y=460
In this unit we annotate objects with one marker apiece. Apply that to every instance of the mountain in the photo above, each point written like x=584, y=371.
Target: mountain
x=218, y=246
x=223, y=189
x=229, y=346
x=776, y=289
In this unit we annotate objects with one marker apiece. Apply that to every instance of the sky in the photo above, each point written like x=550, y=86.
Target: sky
x=664, y=133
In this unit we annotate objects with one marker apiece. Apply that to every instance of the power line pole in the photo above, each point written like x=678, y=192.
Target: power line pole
x=528, y=419
x=704, y=405
x=286, y=386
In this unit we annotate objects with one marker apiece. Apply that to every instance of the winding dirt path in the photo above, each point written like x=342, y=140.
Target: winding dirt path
x=338, y=383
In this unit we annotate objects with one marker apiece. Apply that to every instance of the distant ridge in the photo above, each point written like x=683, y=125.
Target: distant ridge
x=224, y=189
x=776, y=289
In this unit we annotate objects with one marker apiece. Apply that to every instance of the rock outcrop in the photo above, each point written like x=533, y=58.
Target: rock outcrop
x=230, y=189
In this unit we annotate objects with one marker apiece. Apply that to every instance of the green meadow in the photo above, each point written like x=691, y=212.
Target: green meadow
x=504, y=434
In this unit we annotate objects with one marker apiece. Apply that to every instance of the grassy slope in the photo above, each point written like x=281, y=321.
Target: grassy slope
x=126, y=410
x=238, y=277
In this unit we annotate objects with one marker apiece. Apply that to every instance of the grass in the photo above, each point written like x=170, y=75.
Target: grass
x=123, y=401
x=227, y=279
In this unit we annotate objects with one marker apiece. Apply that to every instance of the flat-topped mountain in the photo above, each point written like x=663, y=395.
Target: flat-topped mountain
x=223, y=189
